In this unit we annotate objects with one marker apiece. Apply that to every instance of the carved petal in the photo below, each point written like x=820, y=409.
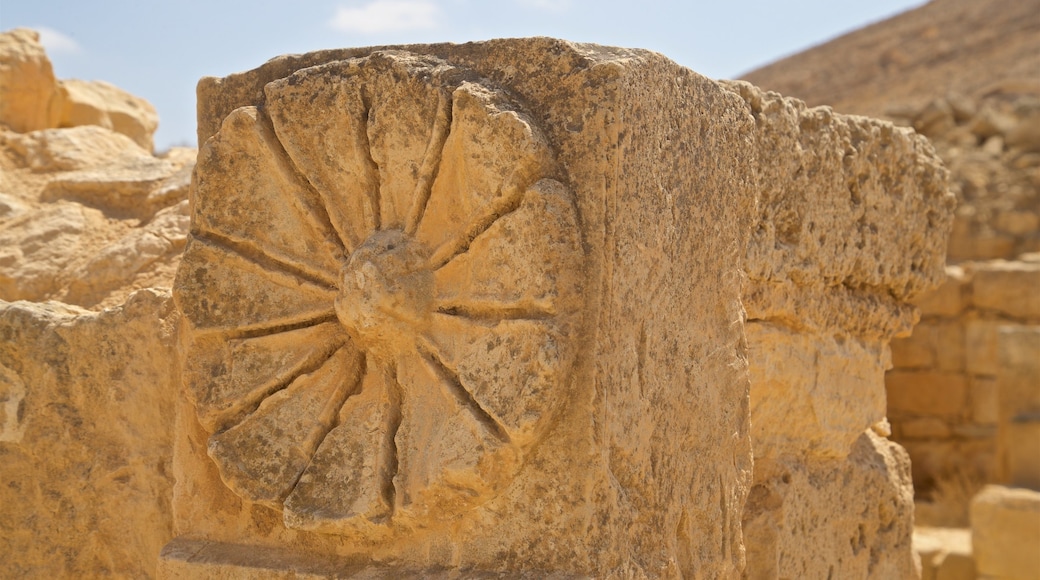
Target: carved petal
x=230, y=377
x=451, y=455
x=491, y=156
x=404, y=112
x=512, y=368
x=321, y=119
x=262, y=457
x=348, y=483
x=526, y=262
x=220, y=289
x=247, y=193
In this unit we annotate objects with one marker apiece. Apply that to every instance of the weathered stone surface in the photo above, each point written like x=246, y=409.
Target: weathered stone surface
x=1005, y=530
x=839, y=518
x=826, y=208
x=831, y=275
x=106, y=105
x=29, y=95
x=135, y=188
x=474, y=277
x=812, y=394
x=85, y=437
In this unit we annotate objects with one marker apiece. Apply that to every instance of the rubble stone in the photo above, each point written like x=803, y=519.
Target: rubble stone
x=106, y=105
x=29, y=95
x=86, y=437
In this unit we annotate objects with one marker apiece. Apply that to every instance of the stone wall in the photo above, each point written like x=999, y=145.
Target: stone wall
x=943, y=393
x=852, y=225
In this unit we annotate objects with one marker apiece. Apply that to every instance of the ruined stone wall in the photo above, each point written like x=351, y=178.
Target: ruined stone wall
x=852, y=225
x=943, y=391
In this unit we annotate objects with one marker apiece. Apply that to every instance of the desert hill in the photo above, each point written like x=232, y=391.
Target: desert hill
x=976, y=48
x=964, y=73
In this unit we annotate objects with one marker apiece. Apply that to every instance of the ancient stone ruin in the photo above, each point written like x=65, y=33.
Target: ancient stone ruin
x=519, y=308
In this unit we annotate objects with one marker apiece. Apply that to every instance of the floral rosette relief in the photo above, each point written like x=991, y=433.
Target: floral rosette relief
x=382, y=290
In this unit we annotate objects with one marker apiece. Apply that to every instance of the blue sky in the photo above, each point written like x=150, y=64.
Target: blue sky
x=159, y=50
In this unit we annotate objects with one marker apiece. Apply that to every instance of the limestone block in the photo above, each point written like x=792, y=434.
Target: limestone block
x=37, y=247
x=985, y=401
x=950, y=298
x=945, y=553
x=29, y=95
x=980, y=345
x=916, y=351
x=1011, y=288
x=951, y=460
x=117, y=263
x=1019, y=407
x=928, y=393
x=1023, y=452
x=794, y=527
x=133, y=188
x=924, y=428
x=106, y=105
x=431, y=305
x=1005, y=530
x=949, y=345
x=86, y=437
x=812, y=394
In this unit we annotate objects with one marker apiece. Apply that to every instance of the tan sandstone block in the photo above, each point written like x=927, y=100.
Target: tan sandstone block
x=1023, y=453
x=29, y=94
x=985, y=401
x=87, y=475
x=812, y=394
x=945, y=553
x=106, y=105
x=949, y=346
x=927, y=393
x=950, y=298
x=843, y=518
x=1011, y=288
x=915, y=351
x=490, y=245
x=924, y=428
x=980, y=344
x=1005, y=526
x=1019, y=409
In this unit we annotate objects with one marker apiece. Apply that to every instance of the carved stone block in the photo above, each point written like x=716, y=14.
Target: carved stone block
x=466, y=307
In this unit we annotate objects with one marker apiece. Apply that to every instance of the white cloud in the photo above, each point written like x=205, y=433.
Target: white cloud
x=387, y=16
x=547, y=5
x=56, y=42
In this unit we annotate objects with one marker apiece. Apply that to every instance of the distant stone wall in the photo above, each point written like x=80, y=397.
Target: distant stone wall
x=943, y=393
x=992, y=147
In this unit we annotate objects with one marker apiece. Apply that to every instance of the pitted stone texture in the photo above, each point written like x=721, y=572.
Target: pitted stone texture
x=394, y=243
x=610, y=484
x=86, y=437
x=800, y=391
x=833, y=518
x=828, y=212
